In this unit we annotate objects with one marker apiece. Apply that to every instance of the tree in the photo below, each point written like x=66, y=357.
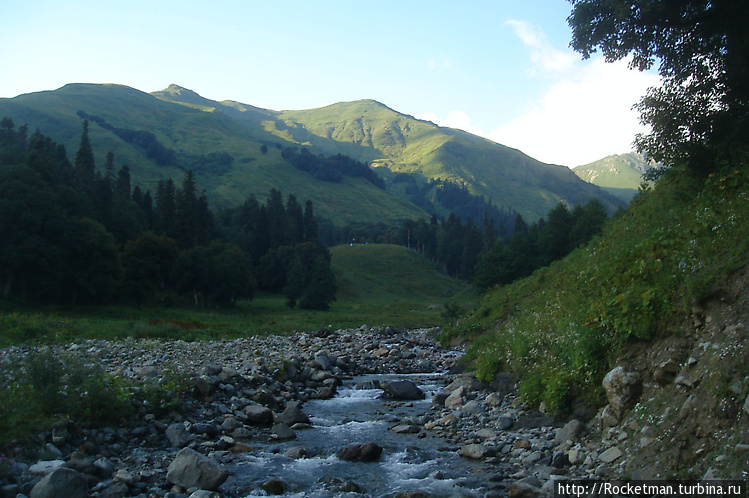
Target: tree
x=701, y=112
x=147, y=262
x=85, y=167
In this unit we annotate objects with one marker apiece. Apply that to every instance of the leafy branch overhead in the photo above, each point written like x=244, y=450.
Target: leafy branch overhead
x=701, y=111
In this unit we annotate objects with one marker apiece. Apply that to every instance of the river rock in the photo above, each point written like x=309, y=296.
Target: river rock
x=274, y=486
x=569, y=432
x=611, y=454
x=178, y=436
x=455, y=400
x=46, y=467
x=258, y=414
x=623, y=389
x=61, y=482
x=292, y=414
x=402, y=390
x=665, y=372
x=521, y=489
x=474, y=451
x=204, y=493
x=191, y=469
x=283, y=432
x=746, y=405
x=367, y=452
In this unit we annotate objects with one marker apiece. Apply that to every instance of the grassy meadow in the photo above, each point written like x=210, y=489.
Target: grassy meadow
x=378, y=284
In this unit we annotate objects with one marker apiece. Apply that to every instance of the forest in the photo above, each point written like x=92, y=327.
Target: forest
x=75, y=234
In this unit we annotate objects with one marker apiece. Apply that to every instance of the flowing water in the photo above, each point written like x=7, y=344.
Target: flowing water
x=358, y=415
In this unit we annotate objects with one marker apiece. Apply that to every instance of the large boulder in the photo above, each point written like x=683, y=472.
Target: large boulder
x=191, y=469
x=178, y=436
x=61, y=482
x=367, y=452
x=402, y=390
x=623, y=389
x=292, y=414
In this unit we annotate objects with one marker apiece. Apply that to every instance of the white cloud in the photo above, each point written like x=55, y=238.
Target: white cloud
x=544, y=56
x=585, y=112
x=582, y=117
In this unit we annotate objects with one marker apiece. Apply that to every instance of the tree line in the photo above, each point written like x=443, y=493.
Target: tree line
x=488, y=253
x=72, y=234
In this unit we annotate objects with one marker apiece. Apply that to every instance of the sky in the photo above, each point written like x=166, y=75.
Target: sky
x=501, y=69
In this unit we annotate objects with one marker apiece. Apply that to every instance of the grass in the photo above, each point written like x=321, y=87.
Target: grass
x=380, y=285
x=561, y=328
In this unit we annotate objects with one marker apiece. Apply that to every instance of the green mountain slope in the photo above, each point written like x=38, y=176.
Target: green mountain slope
x=398, y=143
x=619, y=174
x=235, y=151
x=370, y=273
x=222, y=144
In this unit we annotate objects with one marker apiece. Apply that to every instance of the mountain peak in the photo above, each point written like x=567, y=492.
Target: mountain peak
x=177, y=93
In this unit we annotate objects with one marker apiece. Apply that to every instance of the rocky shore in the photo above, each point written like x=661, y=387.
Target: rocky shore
x=245, y=390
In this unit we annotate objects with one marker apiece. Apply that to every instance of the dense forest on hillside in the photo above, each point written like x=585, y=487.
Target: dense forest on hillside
x=74, y=235
x=77, y=234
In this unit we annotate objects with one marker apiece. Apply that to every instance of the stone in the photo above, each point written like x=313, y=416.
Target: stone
x=123, y=475
x=274, y=486
x=486, y=433
x=576, y=456
x=258, y=414
x=46, y=467
x=191, y=469
x=569, y=432
x=665, y=372
x=283, y=432
x=292, y=414
x=473, y=407
x=746, y=405
x=204, y=493
x=689, y=406
x=623, y=389
x=455, y=400
x=178, y=436
x=405, y=428
x=116, y=490
x=506, y=421
x=367, y=452
x=520, y=489
x=104, y=468
x=610, y=455
x=473, y=451
x=61, y=482
x=402, y=390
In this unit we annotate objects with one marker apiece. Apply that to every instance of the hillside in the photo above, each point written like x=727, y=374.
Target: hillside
x=618, y=174
x=235, y=150
x=398, y=143
x=663, y=294
x=369, y=273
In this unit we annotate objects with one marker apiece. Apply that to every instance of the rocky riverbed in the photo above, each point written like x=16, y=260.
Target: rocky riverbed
x=246, y=393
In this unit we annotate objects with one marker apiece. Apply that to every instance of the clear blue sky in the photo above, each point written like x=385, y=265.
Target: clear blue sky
x=501, y=69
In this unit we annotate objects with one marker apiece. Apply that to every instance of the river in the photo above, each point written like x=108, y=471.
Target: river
x=308, y=466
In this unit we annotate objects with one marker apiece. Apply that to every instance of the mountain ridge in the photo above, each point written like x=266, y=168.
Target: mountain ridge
x=198, y=131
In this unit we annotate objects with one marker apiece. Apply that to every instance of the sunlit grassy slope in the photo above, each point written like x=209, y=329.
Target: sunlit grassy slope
x=561, y=328
x=194, y=127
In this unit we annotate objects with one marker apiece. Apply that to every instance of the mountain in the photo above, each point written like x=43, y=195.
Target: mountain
x=236, y=150
x=618, y=174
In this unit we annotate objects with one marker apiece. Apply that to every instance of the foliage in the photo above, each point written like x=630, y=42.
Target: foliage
x=73, y=234
x=560, y=328
x=44, y=386
x=701, y=112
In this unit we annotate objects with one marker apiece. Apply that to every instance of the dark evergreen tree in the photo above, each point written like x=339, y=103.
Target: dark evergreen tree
x=85, y=166
x=310, y=223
